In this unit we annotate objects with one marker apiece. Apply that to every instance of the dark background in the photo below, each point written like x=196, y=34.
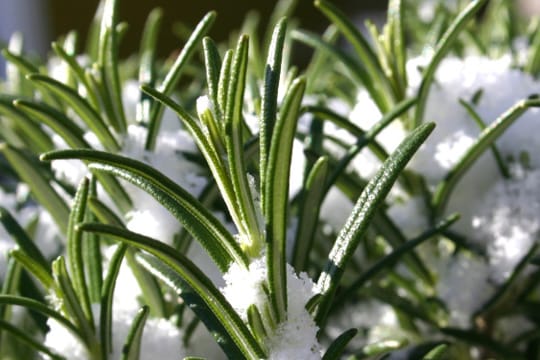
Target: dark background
x=67, y=15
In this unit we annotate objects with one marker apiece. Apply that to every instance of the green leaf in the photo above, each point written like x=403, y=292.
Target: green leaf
x=443, y=46
x=70, y=303
x=474, y=338
x=42, y=308
x=19, y=235
x=147, y=66
x=484, y=141
x=212, y=63
x=199, y=221
x=65, y=127
x=214, y=160
x=29, y=340
x=256, y=324
x=507, y=292
x=272, y=73
x=40, y=141
x=223, y=83
x=276, y=189
x=398, y=253
x=39, y=185
x=312, y=197
x=437, y=353
x=132, y=347
x=171, y=80
x=43, y=274
x=361, y=47
x=532, y=65
x=336, y=348
x=108, y=50
x=74, y=248
x=383, y=346
x=234, y=141
x=503, y=168
x=357, y=70
x=199, y=282
x=106, y=305
x=194, y=301
x=357, y=223
x=78, y=71
x=81, y=106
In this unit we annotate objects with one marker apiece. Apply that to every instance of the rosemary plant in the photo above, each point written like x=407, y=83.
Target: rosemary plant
x=226, y=204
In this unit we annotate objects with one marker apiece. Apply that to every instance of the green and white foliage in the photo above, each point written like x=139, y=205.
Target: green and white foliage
x=381, y=202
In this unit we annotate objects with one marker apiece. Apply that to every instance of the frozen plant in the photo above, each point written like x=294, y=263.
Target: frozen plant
x=280, y=212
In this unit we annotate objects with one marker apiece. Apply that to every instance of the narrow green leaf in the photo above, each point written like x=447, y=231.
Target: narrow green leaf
x=214, y=160
x=147, y=67
x=70, y=302
x=272, y=73
x=194, y=278
x=10, y=285
x=443, y=46
x=393, y=235
x=40, y=141
x=437, y=353
x=474, y=338
x=74, y=248
x=78, y=71
x=204, y=227
x=234, y=141
x=152, y=293
x=503, y=168
x=171, y=80
x=397, y=41
x=223, y=83
x=43, y=274
x=277, y=193
x=107, y=293
x=25, y=66
x=356, y=69
x=74, y=137
x=256, y=324
x=103, y=212
x=19, y=235
x=308, y=216
x=132, y=347
x=39, y=185
x=507, y=291
x=81, y=106
x=381, y=347
x=212, y=63
x=391, y=259
x=42, y=308
x=356, y=225
x=65, y=127
x=336, y=348
x=194, y=301
x=360, y=45
x=29, y=340
x=484, y=141
x=369, y=139
x=532, y=65
x=109, y=45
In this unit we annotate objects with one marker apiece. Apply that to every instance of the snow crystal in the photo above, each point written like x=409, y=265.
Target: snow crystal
x=464, y=285
x=508, y=221
x=294, y=338
x=160, y=338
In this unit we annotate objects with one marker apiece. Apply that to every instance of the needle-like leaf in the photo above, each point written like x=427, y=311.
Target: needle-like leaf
x=357, y=223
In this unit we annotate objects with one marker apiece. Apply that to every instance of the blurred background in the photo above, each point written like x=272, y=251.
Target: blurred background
x=41, y=21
